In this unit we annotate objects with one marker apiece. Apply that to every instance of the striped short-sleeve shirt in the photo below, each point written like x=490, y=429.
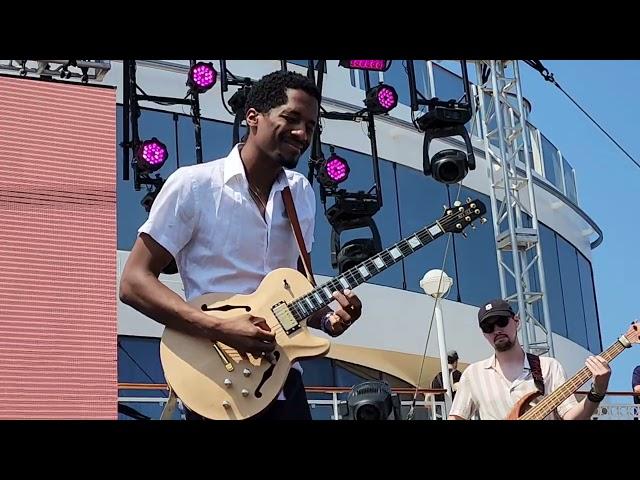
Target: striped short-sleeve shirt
x=484, y=391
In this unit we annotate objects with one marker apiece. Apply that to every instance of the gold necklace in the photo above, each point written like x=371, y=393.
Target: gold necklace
x=256, y=196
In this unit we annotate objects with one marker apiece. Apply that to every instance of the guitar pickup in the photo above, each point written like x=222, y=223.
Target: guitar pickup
x=284, y=316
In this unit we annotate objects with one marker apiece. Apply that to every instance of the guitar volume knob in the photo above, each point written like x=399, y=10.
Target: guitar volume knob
x=246, y=372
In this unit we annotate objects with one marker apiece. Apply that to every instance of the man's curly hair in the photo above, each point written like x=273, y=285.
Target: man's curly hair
x=271, y=90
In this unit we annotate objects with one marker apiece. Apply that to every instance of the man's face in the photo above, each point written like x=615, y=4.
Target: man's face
x=285, y=132
x=500, y=332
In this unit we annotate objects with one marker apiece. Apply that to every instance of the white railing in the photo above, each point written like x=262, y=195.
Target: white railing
x=425, y=409
x=431, y=410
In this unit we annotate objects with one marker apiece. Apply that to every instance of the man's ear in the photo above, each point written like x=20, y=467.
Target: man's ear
x=252, y=117
x=516, y=319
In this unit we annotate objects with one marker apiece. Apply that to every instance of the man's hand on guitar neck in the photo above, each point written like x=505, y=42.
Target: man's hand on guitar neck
x=601, y=373
x=344, y=317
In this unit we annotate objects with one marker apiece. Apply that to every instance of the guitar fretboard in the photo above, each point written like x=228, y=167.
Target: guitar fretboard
x=551, y=402
x=322, y=296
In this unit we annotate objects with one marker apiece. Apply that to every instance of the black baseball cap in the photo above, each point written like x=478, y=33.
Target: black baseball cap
x=495, y=308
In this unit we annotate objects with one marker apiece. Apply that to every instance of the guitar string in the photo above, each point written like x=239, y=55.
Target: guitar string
x=279, y=331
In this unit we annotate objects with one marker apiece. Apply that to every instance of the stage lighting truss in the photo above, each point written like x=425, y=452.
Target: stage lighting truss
x=85, y=70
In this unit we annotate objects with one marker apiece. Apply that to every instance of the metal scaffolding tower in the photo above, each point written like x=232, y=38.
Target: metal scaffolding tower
x=504, y=128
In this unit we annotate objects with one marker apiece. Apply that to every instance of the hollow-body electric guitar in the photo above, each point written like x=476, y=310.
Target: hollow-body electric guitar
x=215, y=381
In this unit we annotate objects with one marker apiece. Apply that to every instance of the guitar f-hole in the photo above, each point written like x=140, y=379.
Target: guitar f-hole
x=224, y=308
x=267, y=374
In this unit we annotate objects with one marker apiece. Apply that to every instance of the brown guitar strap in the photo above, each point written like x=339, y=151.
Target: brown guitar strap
x=295, y=225
x=536, y=371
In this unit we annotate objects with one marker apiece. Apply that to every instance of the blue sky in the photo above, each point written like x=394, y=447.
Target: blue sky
x=607, y=180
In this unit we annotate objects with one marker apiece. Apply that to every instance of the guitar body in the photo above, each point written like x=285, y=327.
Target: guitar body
x=522, y=406
x=227, y=386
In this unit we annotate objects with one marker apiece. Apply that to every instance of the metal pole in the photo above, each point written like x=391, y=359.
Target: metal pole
x=374, y=147
x=195, y=116
x=444, y=363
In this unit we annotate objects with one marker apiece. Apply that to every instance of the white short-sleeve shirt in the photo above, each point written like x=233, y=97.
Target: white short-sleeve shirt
x=206, y=218
x=485, y=390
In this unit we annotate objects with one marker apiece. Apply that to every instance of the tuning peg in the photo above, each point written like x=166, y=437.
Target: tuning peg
x=483, y=220
x=444, y=207
x=473, y=227
x=464, y=234
x=457, y=203
x=468, y=199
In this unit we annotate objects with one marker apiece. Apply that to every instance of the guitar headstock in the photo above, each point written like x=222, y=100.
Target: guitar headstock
x=460, y=216
x=633, y=334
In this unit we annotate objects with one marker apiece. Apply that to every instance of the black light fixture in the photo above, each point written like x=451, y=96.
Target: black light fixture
x=450, y=165
x=353, y=252
x=202, y=77
x=332, y=170
x=367, y=65
x=351, y=211
x=381, y=99
x=444, y=119
x=371, y=400
x=151, y=155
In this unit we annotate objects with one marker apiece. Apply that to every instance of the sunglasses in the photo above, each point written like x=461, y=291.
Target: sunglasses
x=489, y=325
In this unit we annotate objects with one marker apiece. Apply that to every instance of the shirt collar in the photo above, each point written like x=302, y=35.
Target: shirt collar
x=491, y=362
x=234, y=167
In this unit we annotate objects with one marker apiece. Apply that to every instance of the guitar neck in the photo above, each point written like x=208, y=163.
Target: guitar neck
x=550, y=403
x=306, y=305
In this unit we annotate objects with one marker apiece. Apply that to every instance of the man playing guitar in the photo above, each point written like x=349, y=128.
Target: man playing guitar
x=225, y=225
x=492, y=388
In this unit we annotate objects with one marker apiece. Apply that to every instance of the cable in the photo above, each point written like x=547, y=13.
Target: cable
x=224, y=103
x=175, y=129
x=548, y=76
x=395, y=177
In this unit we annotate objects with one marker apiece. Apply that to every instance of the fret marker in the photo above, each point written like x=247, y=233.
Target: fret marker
x=395, y=253
x=377, y=261
x=327, y=292
x=344, y=282
x=414, y=242
x=302, y=309
x=435, y=229
x=363, y=271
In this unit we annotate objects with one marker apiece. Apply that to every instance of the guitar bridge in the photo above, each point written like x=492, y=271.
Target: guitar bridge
x=286, y=319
